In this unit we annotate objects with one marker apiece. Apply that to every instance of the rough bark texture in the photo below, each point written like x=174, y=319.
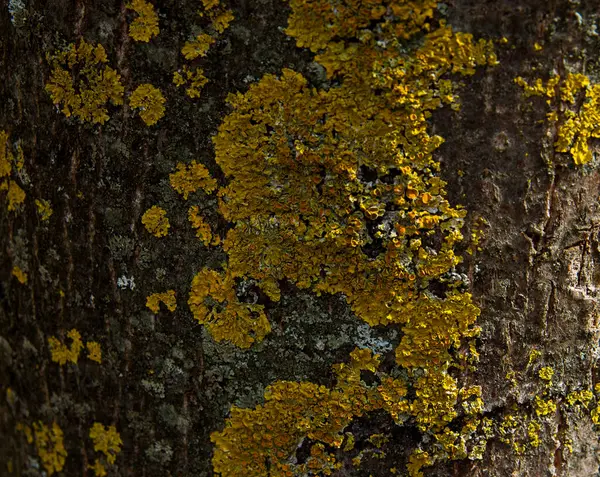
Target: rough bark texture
x=163, y=381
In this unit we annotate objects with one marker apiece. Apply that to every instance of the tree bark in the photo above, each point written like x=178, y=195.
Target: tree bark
x=163, y=382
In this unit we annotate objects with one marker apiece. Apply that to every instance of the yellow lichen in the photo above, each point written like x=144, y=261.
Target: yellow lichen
x=156, y=222
x=197, y=47
x=219, y=18
x=49, y=443
x=338, y=191
x=145, y=25
x=202, y=228
x=193, y=79
x=94, y=351
x=546, y=374
x=150, y=101
x=191, y=177
x=44, y=209
x=106, y=440
x=6, y=156
x=417, y=460
x=534, y=354
x=63, y=354
x=292, y=410
x=168, y=298
x=214, y=303
x=221, y=22
x=19, y=275
x=98, y=468
x=533, y=432
x=16, y=195
x=578, y=125
x=543, y=407
x=50, y=446
x=584, y=397
x=81, y=84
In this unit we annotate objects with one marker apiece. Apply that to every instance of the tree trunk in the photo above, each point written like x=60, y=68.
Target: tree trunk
x=166, y=380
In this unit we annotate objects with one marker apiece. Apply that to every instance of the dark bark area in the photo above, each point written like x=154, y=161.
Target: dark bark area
x=163, y=381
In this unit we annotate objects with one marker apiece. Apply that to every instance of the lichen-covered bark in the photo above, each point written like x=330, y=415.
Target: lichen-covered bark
x=163, y=381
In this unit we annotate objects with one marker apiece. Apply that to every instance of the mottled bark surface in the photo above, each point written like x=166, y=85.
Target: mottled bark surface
x=163, y=382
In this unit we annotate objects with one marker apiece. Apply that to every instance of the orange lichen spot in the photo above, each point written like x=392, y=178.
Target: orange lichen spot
x=62, y=353
x=19, y=275
x=168, y=298
x=44, y=209
x=190, y=177
x=202, y=228
x=81, y=84
x=145, y=25
x=106, y=440
x=192, y=78
x=94, y=351
x=49, y=444
x=215, y=304
x=156, y=221
x=197, y=47
x=150, y=101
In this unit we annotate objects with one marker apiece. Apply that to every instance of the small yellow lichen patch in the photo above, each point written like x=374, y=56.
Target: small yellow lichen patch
x=202, y=228
x=156, y=221
x=584, y=397
x=534, y=354
x=417, y=460
x=81, y=84
x=44, y=209
x=6, y=156
x=19, y=274
x=543, y=407
x=189, y=178
x=193, y=78
x=221, y=21
x=49, y=443
x=168, y=298
x=533, y=432
x=197, y=47
x=106, y=440
x=98, y=468
x=62, y=354
x=145, y=25
x=214, y=303
x=16, y=195
x=94, y=351
x=546, y=374
x=150, y=101
x=579, y=125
